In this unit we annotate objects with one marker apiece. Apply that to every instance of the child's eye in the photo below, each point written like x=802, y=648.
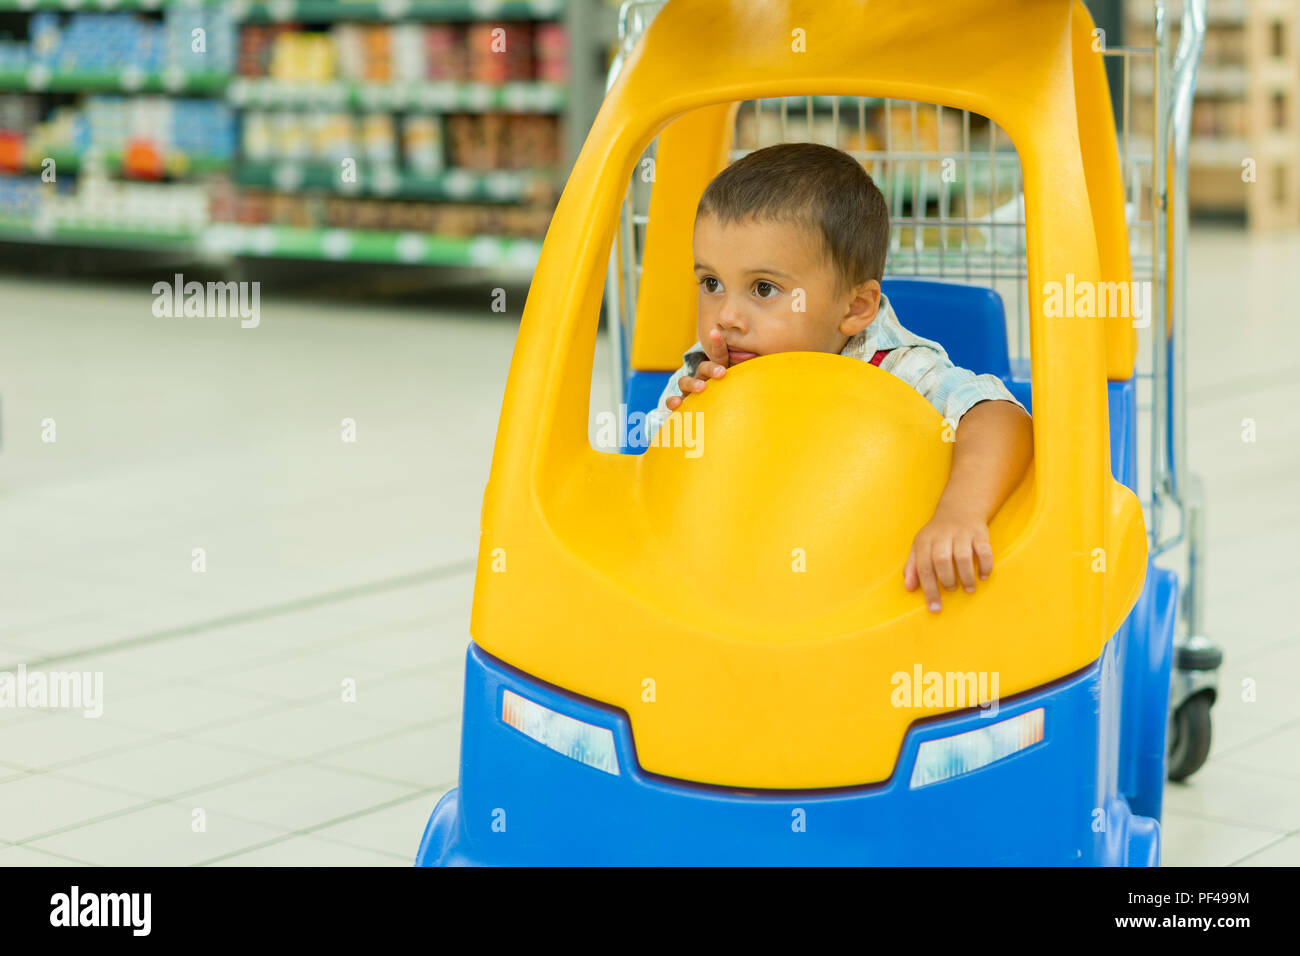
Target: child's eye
x=709, y=283
x=765, y=289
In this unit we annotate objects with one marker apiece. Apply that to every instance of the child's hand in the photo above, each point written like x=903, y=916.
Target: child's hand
x=946, y=549
x=715, y=366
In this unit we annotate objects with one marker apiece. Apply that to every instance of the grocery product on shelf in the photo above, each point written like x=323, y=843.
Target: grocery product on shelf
x=487, y=52
x=483, y=141
x=259, y=207
x=422, y=144
x=182, y=130
x=191, y=38
x=102, y=205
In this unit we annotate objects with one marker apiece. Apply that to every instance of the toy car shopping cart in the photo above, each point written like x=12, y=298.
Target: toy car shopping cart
x=617, y=711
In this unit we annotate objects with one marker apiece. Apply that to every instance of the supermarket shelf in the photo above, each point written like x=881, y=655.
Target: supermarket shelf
x=359, y=245
x=174, y=164
x=1211, y=80
x=386, y=180
x=1215, y=152
x=432, y=97
x=143, y=236
x=127, y=80
x=338, y=245
x=93, y=6
x=329, y=10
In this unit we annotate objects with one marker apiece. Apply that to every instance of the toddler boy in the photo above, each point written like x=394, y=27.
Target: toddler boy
x=790, y=244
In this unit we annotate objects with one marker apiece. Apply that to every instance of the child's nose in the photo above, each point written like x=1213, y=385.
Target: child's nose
x=731, y=318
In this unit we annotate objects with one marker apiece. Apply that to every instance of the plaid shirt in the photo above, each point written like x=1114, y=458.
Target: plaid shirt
x=921, y=363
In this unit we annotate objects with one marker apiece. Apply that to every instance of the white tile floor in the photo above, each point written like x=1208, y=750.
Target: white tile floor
x=225, y=738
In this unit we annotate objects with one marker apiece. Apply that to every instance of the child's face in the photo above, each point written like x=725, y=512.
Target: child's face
x=754, y=279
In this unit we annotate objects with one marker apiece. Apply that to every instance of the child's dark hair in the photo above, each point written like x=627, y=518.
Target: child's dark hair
x=819, y=187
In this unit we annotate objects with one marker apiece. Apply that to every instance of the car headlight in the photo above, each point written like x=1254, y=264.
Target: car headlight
x=585, y=743
x=949, y=757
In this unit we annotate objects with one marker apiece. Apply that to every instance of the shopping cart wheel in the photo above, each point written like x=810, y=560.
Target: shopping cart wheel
x=1189, y=742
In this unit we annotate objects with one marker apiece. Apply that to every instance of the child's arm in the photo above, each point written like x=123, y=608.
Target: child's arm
x=995, y=442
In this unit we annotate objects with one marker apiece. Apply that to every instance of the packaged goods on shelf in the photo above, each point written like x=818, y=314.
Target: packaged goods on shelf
x=551, y=51
x=446, y=51
x=123, y=206
x=19, y=112
x=192, y=127
x=330, y=136
x=500, y=52
x=20, y=198
x=289, y=134
x=378, y=65
x=258, y=139
x=256, y=45
x=204, y=128
x=213, y=50
x=422, y=144
x=460, y=220
x=408, y=59
x=192, y=38
x=492, y=53
x=335, y=136
x=291, y=210
x=15, y=56
x=484, y=141
x=380, y=136
x=303, y=57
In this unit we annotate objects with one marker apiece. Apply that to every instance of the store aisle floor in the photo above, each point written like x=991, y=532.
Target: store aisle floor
x=291, y=693
x=333, y=569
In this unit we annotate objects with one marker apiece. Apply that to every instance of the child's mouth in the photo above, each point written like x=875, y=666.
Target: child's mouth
x=734, y=357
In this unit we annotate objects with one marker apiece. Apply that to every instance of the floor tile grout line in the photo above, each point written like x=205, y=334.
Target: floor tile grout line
x=273, y=705
x=1233, y=388
x=395, y=802
x=1282, y=839
x=1260, y=738
x=307, y=650
x=213, y=680
x=282, y=764
x=57, y=856
x=1284, y=644
x=183, y=737
x=351, y=638
x=205, y=678
x=309, y=831
x=194, y=732
x=144, y=805
x=264, y=613
x=322, y=696
x=1206, y=818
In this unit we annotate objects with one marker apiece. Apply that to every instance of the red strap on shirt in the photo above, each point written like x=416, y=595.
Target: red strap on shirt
x=875, y=359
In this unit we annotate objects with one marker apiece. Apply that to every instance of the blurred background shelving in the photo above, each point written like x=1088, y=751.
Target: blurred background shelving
x=404, y=131
x=442, y=131
x=1244, y=155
